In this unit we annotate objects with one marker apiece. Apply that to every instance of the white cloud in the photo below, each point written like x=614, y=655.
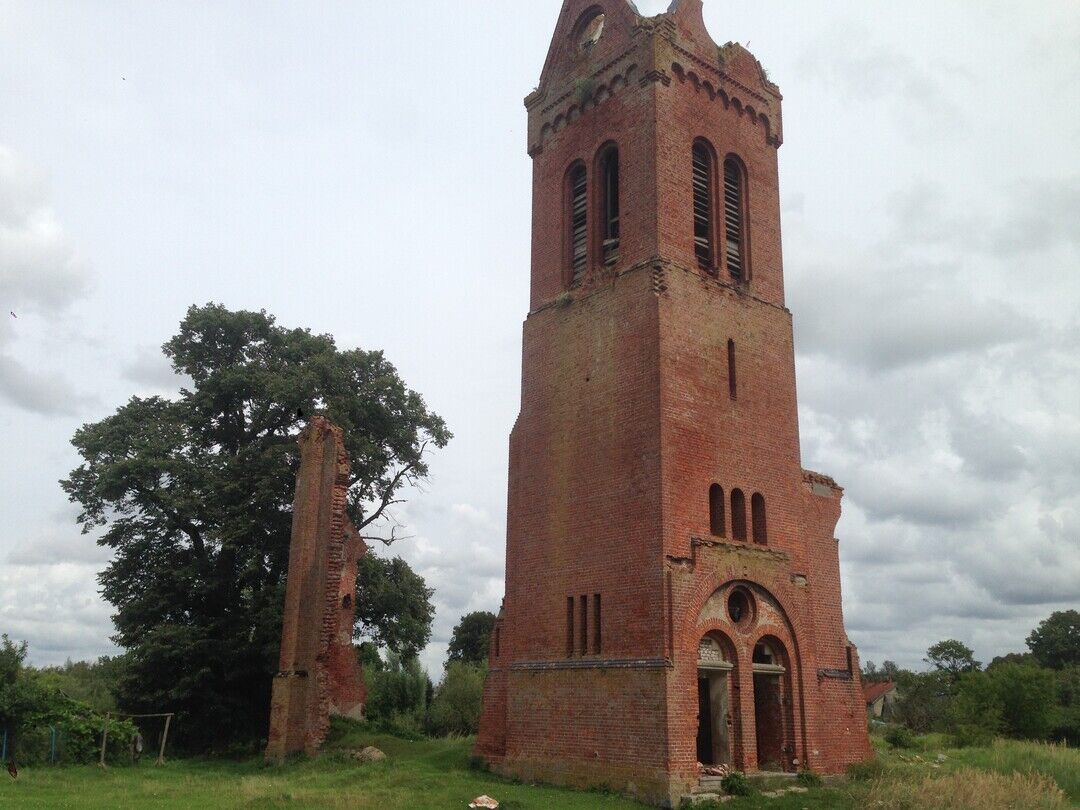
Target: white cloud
x=39, y=276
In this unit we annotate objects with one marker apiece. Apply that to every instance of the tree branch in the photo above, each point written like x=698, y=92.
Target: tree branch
x=387, y=498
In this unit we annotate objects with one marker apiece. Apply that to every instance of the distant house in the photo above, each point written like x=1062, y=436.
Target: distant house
x=880, y=699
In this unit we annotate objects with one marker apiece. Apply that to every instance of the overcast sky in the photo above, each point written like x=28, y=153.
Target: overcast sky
x=360, y=169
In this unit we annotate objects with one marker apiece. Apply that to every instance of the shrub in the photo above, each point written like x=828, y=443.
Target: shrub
x=969, y=790
x=808, y=779
x=397, y=695
x=456, y=706
x=736, y=784
x=900, y=737
x=1026, y=694
x=924, y=701
x=866, y=770
x=974, y=715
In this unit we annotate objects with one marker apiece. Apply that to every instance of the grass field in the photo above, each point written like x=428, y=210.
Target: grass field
x=436, y=774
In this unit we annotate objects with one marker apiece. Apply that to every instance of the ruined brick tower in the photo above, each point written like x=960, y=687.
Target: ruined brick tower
x=672, y=579
x=319, y=674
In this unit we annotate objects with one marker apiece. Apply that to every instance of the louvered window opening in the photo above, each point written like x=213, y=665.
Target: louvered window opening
x=733, y=218
x=579, y=232
x=611, y=206
x=703, y=238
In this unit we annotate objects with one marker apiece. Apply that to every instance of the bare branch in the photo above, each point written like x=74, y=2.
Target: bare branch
x=387, y=541
x=387, y=499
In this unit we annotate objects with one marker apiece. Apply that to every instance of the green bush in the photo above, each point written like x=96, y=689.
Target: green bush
x=808, y=779
x=924, y=702
x=396, y=695
x=900, y=737
x=866, y=771
x=974, y=715
x=456, y=706
x=1027, y=697
x=736, y=784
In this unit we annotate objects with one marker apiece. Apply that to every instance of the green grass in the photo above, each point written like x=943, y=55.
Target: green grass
x=436, y=774
x=422, y=774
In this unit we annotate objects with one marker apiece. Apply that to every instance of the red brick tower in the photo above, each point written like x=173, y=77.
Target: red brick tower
x=672, y=580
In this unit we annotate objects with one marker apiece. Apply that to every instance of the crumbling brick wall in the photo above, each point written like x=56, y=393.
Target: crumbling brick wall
x=319, y=673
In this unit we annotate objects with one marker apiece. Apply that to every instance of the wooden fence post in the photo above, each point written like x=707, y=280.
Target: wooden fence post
x=104, y=738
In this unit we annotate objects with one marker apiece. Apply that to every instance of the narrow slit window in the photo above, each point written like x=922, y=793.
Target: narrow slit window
x=569, y=626
x=757, y=513
x=716, y=511
x=579, y=231
x=734, y=216
x=732, y=381
x=496, y=641
x=609, y=169
x=596, y=623
x=584, y=624
x=738, y=514
x=703, y=204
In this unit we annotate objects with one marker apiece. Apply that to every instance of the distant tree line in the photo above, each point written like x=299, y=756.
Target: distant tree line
x=1031, y=695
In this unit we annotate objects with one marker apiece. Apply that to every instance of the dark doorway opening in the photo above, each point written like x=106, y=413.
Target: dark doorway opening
x=769, y=719
x=714, y=718
x=704, y=724
x=772, y=706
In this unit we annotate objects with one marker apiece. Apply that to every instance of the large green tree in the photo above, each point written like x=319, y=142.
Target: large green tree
x=470, y=639
x=194, y=495
x=952, y=657
x=1055, y=643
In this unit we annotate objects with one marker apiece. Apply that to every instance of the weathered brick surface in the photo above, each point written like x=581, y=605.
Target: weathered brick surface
x=319, y=674
x=626, y=421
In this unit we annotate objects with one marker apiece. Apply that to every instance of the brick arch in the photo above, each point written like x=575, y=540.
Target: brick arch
x=690, y=629
x=721, y=634
x=791, y=685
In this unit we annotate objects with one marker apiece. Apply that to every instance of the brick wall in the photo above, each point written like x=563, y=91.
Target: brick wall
x=319, y=673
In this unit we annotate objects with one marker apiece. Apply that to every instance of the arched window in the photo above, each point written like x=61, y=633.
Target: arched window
x=735, y=218
x=757, y=517
x=738, y=514
x=703, y=206
x=609, y=203
x=716, y=511
x=579, y=231
x=589, y=28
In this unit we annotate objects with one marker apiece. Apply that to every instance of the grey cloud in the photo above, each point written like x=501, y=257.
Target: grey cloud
x=152, y=369
x=1045, y=215
x=38, y=274
x=58, y=545
x=988, y=445
x=890, y=318
x=40, y=393
x=868, y=72
x=38, y=266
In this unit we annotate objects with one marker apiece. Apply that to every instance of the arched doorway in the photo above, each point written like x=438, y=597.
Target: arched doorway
x=717, y=702
x=773, y=717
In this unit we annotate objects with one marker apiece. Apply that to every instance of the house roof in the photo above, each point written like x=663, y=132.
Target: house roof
x=872, y=691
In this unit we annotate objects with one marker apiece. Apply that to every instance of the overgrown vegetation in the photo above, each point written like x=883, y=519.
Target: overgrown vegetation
x=1033, y=695
x=43, y=723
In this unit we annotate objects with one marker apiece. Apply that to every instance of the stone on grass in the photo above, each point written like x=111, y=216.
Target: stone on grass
x=369, y=754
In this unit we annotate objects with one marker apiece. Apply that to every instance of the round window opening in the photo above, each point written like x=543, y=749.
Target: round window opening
x=591, y=31
x=739, y=607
